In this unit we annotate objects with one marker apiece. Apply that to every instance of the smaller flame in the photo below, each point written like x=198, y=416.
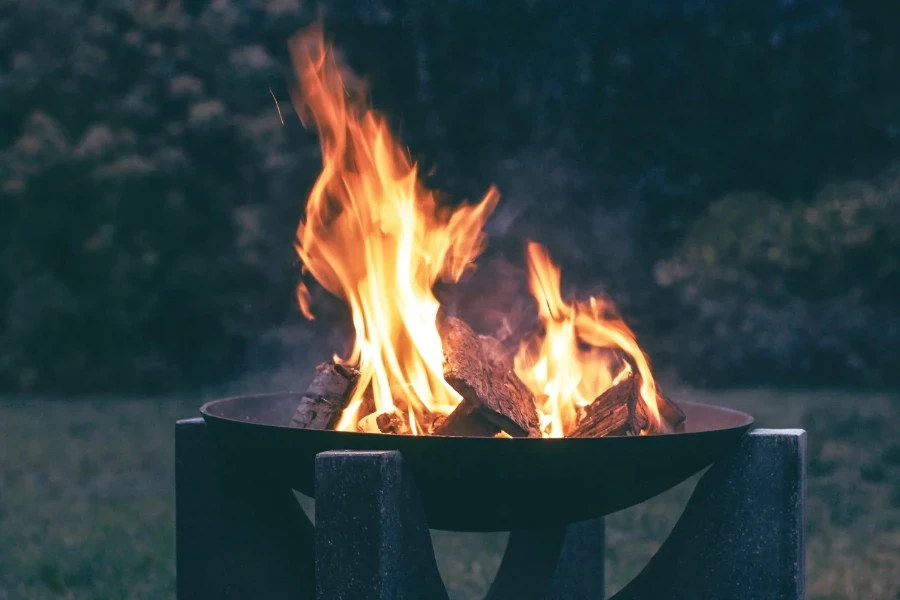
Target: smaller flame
x=577, y=357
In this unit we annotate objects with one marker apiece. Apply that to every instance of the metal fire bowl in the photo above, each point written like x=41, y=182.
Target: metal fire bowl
x=487, y=484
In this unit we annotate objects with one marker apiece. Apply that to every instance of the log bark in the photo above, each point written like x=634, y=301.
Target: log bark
x=465, y=421
x=621, y=411
x=615, y=412
x=325, y=398
x=489, y=388
x=670, y=411
x=671, y=416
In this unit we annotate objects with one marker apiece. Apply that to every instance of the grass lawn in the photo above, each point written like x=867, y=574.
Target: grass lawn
x=86, y=499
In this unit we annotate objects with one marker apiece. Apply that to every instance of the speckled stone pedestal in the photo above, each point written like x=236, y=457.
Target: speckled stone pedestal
x=740, y=537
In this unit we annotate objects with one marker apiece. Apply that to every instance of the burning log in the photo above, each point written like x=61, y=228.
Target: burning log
x=490, y=390
x=621, y=411
x=326, y=397
x=465, y=420
x=617, y=411
x=670, y=412
x=671, y=416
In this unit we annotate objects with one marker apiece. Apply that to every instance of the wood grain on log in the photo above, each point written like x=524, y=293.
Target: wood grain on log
x=670, y=411
x=325, y=398
x=612, y=413
x=497, y=394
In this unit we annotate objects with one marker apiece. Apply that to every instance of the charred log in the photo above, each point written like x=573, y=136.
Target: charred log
x=494, y=392
x=615, y=412
x=670, y=412
x=621, y=411
x=325, y=398
x=671, y=416
x=465, y=421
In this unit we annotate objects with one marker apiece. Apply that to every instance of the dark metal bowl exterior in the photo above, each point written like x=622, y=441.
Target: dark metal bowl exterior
x=487, y=484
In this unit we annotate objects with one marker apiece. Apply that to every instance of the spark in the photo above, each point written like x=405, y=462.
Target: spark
x=278, y=108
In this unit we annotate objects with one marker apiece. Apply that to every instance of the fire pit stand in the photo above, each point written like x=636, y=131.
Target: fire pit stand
x=240, y=535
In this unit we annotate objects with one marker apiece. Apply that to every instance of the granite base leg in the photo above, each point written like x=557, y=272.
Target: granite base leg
x=741, y=536
x=372, y=542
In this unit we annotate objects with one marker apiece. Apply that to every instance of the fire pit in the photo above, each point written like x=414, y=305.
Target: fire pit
x=240, y=533
x=426, y=423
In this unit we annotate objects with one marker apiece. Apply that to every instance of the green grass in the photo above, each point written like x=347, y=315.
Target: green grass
x=86, y=492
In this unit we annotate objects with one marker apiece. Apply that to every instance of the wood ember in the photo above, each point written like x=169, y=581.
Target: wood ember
x=384, y=422
x=325, y=398
x=490, y=390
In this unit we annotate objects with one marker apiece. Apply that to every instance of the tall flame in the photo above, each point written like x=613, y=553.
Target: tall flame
x=570, y=364
x=374, y=236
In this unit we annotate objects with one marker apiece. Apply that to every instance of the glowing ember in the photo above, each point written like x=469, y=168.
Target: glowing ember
x=375, y=237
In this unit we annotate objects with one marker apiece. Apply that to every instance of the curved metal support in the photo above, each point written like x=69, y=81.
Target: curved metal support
x=561, y=563
x=238, y=534
x=372, y=542
x=528, y=564
x=580, y=571
x=741, y=535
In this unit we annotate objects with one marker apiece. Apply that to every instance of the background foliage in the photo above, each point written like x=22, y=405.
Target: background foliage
x=723, y=170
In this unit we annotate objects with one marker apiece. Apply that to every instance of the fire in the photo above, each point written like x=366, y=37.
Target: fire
x=374, y=236
x=571, y=364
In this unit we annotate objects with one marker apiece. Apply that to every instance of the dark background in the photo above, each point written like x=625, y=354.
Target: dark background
x=724, y=170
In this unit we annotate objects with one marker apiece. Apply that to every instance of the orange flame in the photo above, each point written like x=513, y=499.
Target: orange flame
x=375, y=237
x=562, y=373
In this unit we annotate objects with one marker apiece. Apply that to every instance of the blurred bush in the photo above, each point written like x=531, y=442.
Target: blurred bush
x=140, y=145
x=801, y=292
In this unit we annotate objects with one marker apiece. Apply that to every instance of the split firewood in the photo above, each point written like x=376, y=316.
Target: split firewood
x=465, y=420
x=383, y=422
x=494, y=393
x=615, y=412
x=671, y=416
x=669, y=411
x=621, y=411
x=326, y=397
